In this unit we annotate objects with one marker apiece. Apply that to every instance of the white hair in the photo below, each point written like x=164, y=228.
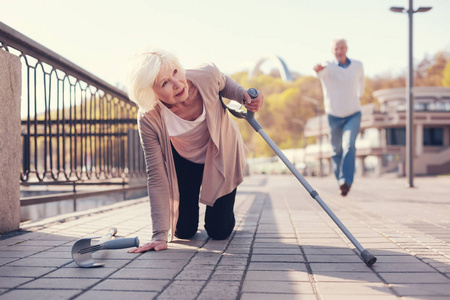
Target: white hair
x=337, y=40
x=144, y=70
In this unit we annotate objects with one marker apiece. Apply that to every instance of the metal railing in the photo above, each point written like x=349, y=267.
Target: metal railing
x=76, y=128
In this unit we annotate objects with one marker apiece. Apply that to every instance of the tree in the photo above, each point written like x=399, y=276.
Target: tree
x=430, y=72
x=446, y=75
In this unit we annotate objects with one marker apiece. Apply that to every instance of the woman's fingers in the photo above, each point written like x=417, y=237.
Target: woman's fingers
x=256, y=103
x=155, y=245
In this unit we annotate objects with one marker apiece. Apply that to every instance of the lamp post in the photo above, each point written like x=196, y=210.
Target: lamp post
x=409, y=91
x=319, y=115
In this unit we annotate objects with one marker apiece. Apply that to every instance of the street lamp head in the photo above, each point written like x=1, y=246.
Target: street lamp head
x=397, y=9
x=423, y=9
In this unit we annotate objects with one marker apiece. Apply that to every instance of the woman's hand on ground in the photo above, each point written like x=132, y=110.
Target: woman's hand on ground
x=155, y=245
x=253, y=105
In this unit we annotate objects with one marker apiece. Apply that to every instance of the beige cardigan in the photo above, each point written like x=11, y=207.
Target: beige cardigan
x=225, y=157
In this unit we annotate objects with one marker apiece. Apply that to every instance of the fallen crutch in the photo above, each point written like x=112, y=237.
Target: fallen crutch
x=82, y=249
x=235, y=109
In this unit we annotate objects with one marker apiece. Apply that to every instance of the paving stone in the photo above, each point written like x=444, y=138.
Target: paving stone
x=269, y=251
x=346, y=277
x=277, y=276
x=333, y=258
x=397, y=259
x=40, y=262
x=53, y=255
x=6, y=271
x=227, y=275
x=233, y=260
x=360, y=297
x=60, y=283
x=6, y=260
x=165, y=255
x=182, y=290
x=275, y=246
x=276, y=258
x=11, y=282
x=157, y=264
x=132, y=285
x=352, y=288
x=418, y=278
x=226, y=268
x=15, y=254
x=44, y=243
x=116, y=295
x=316, y=250
x=129, y=273
x=39, y=294
x=206, y=258
x=427, y=290
x=277, y=266
x=194, y=274
x=31, y=248
x=288, y=287
x=220, y=290
x=81, y=272
x=418, y=267
x=274, y=228
x=200, y=267
x=339, y=267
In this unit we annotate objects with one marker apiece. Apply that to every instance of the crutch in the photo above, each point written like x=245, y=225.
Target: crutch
x=235, y=109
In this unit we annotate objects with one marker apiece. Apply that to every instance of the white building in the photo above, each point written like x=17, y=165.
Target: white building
x=381, y=143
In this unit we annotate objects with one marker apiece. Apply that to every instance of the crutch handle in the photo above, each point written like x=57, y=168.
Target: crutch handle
x=253, y=93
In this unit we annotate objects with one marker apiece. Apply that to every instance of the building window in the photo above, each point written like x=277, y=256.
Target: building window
x=433, y=137
x=396, y=136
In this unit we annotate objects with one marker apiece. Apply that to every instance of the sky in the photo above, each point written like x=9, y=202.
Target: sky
x=102, y=36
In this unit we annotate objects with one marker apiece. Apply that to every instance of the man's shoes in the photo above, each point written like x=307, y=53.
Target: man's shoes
x=345, y=188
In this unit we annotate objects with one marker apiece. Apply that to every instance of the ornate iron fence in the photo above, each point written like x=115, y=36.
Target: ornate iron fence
x=75, y=126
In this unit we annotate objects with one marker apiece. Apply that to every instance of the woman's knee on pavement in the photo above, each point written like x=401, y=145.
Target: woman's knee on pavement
x=185, y=232
x=217, y=233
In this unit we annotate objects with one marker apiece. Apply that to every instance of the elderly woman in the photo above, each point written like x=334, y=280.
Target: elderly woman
x=193, y=149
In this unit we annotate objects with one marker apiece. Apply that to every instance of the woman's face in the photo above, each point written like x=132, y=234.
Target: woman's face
x=171, y=86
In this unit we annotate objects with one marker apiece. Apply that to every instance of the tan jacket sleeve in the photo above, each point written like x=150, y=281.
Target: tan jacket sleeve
x=157, y=180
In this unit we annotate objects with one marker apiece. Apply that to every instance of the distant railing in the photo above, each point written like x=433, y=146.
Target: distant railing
x=75, y=126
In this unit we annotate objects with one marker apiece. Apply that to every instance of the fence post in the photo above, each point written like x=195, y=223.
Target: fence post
x=10, y=149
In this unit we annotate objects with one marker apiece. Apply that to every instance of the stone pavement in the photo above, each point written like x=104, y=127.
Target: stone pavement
x=284, y=247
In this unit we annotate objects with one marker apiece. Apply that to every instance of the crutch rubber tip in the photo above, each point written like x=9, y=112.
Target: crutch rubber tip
x=368, y=258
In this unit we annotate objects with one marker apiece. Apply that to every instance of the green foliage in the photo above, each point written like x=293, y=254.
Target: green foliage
x=446, y=75
x=430, y=72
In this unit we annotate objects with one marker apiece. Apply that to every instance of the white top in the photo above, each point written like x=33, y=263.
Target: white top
x=189, y=138
x=342, y=88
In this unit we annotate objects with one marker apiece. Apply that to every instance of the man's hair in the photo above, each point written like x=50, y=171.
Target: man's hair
x=144, y=70
x=337, y=40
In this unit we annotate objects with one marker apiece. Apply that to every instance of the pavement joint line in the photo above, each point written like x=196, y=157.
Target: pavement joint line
x=223, y=251
x=33, y=278
x=311, y=276
x=326, y=219
x=264, y=197
x=187, y=263
x=103, y=279
x=408, y=249
x=408, y=244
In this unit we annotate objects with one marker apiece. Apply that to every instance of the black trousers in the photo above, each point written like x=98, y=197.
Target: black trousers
x=219, y=219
